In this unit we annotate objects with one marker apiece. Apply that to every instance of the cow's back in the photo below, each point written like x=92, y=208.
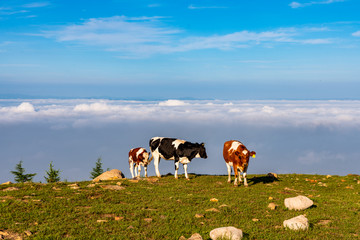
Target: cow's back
x=228, y=152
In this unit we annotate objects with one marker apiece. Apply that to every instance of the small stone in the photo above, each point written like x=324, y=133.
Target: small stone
x=198, y=215
x=91, y=185
x=101, y=221
x=232, y=233
x=119, y=183
x=195, y=236
x=328, y=176
x=28, y=233
x=255, y=220
x=133, y=180
x=271, y=198
x=214, y=200
x=74, y=186
x=223, y=205
x=349, y=187
x=112, y=187
x=2, y=233
x=273, y=175
x=272, y=206
x=298, y=203
x=297, y=223
x=10, y=189
x=182, y=238
x=212, y=210
x=130, y=227
x=6, y=183
x=148, y=220
x=118, y=218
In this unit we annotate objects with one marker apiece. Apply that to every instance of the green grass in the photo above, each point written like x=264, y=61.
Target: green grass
x=55, y=211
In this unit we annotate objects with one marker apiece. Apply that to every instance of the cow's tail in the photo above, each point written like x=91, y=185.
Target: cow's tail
x=154, y=144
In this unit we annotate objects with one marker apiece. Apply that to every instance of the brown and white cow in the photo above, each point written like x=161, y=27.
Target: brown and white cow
x=236, y=155
x=138, y=157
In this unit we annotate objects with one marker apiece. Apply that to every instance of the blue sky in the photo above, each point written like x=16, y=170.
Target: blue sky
x=180, y=49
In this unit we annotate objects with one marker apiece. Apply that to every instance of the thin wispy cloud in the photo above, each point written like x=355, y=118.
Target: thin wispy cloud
x=36, y=5
x=193, y=7
x=12, y=12
x=356, y=34
x=307, y=4
x=144, y=36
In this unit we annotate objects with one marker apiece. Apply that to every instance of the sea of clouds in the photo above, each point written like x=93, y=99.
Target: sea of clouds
x=79, y=113
x=289, y=136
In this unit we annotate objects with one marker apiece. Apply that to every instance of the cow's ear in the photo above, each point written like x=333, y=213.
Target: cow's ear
x=202, y=144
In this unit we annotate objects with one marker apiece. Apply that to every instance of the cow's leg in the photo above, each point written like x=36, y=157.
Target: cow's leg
x=240, y=180
x=131, y=166
x=229, y=172
x=236, y=174
x=139, y=170
x=136, y=170
x=156, y=163
x=245, y=181
x=185, y=169
x=176, y=168
x=145, y=169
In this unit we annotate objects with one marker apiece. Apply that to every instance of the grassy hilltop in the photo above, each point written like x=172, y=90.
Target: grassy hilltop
x=167, y=208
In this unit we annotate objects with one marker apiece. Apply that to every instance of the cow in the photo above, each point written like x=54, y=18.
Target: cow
x=138, y=157
x=180, y=151
x=236, y=155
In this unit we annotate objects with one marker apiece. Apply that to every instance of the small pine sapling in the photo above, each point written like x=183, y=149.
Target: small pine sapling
x=52, y=175
x=20, y=175
x=97, y=170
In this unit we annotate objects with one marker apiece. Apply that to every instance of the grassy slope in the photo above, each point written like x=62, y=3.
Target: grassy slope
x=52, y=211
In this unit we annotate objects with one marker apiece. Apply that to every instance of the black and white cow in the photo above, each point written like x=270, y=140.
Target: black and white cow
x=175, y=149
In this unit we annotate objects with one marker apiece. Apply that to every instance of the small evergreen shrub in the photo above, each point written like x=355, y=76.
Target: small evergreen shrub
x=20, y=175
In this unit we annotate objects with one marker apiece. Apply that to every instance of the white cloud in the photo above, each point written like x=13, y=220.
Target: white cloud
x=299, y=5
x=25, y=107
x=36, y=5
x=258, y=113
x=144, y=36
x=356, y=34
x=173, y=103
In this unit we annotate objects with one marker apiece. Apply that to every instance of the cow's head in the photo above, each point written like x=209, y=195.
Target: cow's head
x=243, y=153
x=146, y=159
x=202, y=151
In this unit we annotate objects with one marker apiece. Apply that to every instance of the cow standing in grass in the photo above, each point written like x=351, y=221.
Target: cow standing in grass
x=138, y=157
x=175, y=149
x=236, y=155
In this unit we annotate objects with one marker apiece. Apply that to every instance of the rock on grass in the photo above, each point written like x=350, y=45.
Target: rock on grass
x=297, y=223
x=298, y=203
x=232, y=233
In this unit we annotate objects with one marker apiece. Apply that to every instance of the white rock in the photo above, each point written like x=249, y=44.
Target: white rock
x=232, y=233
x=298, y=203
x=297, y=223
x=114, y=174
